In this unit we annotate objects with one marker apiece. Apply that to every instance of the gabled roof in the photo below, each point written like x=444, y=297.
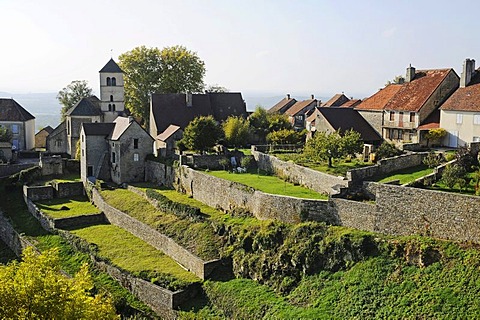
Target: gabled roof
x=413, y=95
x=299, y=106
x=168, y=132
x=98, y=129
x=122, y=124
x=379, y=100
x=10, y=110
x=312, y=116
x=47, y=129
x=344, y=119
x=351, y=103
x=111, y=67
x=86, y=107
x=336, y=101
x=467, y=98
x=282, y=105
x=225, y=104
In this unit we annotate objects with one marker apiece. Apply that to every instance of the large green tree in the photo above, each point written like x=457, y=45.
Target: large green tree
x=151, y=70
x=36, y=289
x=236, y=130
x=201, y=134
x=73, y=93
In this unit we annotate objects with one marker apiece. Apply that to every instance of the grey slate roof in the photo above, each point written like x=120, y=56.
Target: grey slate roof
x=98, y=129
x=86, y=107
x=10, y=110
x=112, y=67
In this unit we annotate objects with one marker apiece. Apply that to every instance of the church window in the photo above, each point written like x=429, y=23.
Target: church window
x=113, y=107
x=109, y=81
x=109, y=107
x=111, y=98
x=114, y=81
x=135, y=143
x=113, y=157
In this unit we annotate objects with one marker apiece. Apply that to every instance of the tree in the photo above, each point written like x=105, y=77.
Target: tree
x=433, y=159
x=202, y=133
x=351, y=143
x=396, y=80
x=236, y=130
x=452, y=174
x=5, y=135
x=73, y=93
x=386, y=150
x=278, y=122
x=36, y=289
x=435, y=134
x=151, y=70
x=259, y=123
x=324, y=146
x=285, y=136
x=216, y=88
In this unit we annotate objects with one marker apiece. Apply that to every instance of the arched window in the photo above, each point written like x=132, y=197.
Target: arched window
x=109, y=107
x=114, y=81
x=113, y=107
x=111, y=98
x=109, y=81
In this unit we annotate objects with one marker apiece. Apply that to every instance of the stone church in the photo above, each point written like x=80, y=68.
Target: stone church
x=63, y=139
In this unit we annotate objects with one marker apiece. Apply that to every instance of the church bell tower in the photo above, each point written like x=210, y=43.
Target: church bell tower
x=111, y=91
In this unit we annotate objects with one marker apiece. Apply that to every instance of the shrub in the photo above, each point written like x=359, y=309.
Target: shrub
x=386, y=150
x=246, y=161
x=452, y=174
x=432, y=160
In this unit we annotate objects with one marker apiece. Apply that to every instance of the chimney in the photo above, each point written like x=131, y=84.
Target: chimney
x=410, y=73
x=467, y=73
x=312, y=96
x=130, y=119
x=288, y=96
x=188, y=99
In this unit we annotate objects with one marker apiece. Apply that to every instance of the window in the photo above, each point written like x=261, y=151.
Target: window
x=400, y=135
x=82, y=137
x=412, y=116
x=135, y=143
x=15, y=144
x=113, y=157
x=68, y=127
x=111, y=98
x=83, y=153
x=459, y=118
x=113, y=107
x=476, y=119
x=392, y=115
x=109, y=81
x=135, y=157
x=15, y=128
x=114, y=81
x=109, y=107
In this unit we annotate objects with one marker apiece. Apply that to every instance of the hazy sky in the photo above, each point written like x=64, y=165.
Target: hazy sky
x=297, y=47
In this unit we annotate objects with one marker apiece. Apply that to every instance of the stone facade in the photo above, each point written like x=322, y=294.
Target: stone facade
x=159, y=173
x=374, y=118
x=312, y=179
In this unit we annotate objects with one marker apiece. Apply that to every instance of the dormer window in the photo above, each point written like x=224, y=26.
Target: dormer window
x=109, y=81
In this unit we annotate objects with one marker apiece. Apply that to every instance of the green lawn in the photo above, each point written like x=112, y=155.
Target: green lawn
x=77, y=206
x=407, y=175
x=269, y=184
x=72, y=177
x=131, y=253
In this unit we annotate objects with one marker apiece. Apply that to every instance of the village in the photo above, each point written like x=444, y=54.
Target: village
x=173, y=214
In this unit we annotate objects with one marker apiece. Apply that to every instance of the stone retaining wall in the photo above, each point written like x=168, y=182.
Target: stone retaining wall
x=159, y=173
x=312, y=179
x=9, y=169
x=68, y=189
x=38, y=193
x=12, y=238
x=203, y=269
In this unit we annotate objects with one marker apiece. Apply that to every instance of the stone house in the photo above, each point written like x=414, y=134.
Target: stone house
x=405, y=108
x=460, y=114
x=19, y=122
x=297, y=113
x=179, y=109
x=165, y=141
x=63, y=139
x=114, y=151
x=41, y=138
x=283, y=105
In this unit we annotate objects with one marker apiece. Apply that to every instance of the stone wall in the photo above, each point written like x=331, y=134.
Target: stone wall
x=312, y=179
x=37, y=193
x=12, y=238
x=159, y=241
x=386, y=166
x=51, y=165
x=68, y=189
x=159, y=173
x=9, y=169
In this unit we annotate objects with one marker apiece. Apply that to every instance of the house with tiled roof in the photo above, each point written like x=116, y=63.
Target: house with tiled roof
x=165, y=141
x=405, y=108
x=114, y=151
x=41, y=138
x=19, y=122
x=460, y=114
x=297, y=113
x=336, y=101
x=283, y=105
x=352, y=103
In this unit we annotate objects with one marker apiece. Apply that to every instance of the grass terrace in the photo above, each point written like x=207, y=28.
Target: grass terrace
x=407, y=175
x=67, y=207
x=269, y=184
x=134, y=255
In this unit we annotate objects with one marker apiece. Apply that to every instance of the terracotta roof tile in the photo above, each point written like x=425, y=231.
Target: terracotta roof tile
x=351, y=103
x=379, y=100
x=413, y=95
x=465, y=99
x=299, y=106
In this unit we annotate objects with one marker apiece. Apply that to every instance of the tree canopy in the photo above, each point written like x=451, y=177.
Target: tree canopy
x=36, y=289
x=201, y=134
x=236, y=130
x=151, y=70
x=73, y=93
x=262, y=123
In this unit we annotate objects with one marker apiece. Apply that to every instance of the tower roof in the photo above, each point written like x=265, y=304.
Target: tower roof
x=111, y=66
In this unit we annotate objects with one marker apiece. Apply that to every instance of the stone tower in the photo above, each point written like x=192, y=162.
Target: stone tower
x=111, y=91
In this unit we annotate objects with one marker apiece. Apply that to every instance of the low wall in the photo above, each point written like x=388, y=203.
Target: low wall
x=9, y=169
x=12, y=238
x=386, y=166
x=312, y=179
x=159, y=173
x=156, y=239
x=37, y=193
x=68, y=189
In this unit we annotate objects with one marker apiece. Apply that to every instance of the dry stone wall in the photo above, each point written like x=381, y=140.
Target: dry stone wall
x=68, y=189
x=9, y=169
x=12, y=238
x=159, y=173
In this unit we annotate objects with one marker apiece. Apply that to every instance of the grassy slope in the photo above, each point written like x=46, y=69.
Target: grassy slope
x=79, y=205
x=268, y=184
x=131, y=253
x=407, y=175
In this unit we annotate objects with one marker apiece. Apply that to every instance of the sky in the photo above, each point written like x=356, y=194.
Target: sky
x=265, y=47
